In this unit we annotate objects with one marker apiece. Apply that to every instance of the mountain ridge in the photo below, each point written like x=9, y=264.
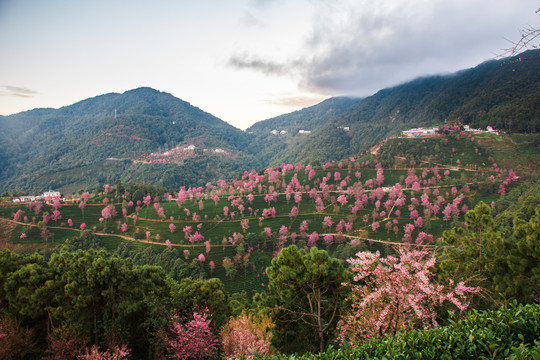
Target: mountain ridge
x=489, y=94
x=44, y=147
x=41, y=143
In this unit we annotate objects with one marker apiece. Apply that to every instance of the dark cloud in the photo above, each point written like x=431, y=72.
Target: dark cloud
x=359, y=47
x=8, y=90
x=245, y=62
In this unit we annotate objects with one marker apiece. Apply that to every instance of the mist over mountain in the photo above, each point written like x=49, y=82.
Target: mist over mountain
x=144, y=135
x=502, y=93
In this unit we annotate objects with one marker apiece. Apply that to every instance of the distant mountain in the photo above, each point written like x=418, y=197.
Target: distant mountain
x=145, y=135
x=502, y=93
x=290, y=125
x=139, y=135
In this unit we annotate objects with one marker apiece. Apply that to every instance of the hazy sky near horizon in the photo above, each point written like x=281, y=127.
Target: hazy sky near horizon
x=242, y=60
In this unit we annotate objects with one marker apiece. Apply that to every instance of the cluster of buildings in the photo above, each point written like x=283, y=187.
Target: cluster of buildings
x=46, y=196
x=278, y=132
x=421, y=132
x=305, y=132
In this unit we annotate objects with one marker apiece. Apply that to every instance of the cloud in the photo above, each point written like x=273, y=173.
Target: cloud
x=8, y=90
x=357, y=47
x=250, y=20
x=267, y=67
x=295, y=101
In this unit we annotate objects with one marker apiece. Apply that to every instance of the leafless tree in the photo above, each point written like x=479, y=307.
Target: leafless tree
x=527, y=40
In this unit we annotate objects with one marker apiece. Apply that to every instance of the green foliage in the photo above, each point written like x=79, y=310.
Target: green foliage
x=113, y=301
x=306, y=287
x=507, y=333
x=504, y=260
x=93, y=146
x=501, y=93
x=196, y=294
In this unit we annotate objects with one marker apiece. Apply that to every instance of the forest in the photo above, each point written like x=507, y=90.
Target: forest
x=423, y=247
x=141, y=135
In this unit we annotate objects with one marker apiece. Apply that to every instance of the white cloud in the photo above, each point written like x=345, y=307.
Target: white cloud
x=359, y=47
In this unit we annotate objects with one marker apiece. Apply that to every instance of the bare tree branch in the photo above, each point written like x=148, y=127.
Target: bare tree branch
x=527, y=41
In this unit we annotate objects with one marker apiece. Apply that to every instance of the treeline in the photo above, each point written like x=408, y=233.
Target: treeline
x=69, y=302
x=86, y=297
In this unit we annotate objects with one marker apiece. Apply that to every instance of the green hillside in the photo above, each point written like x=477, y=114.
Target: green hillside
x=127, y=136
x=232, y=217
x=502, y=93
x=144, y=135
x=461, y=199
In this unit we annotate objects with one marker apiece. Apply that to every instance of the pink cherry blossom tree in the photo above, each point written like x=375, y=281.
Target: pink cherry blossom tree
x=85, y=196
x=56, y=216
x=18, y=215
x=194, y=339
x=393, y=294
x=246, y=333
x=82, y=205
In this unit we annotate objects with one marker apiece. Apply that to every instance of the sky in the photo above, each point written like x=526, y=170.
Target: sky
x=242, y=60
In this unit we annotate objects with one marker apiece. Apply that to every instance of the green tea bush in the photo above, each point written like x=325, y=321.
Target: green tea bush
x=512, y=332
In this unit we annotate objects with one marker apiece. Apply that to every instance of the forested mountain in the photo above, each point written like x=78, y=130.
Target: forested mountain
x=145, y=135
x=502, y=93
x=140, y=135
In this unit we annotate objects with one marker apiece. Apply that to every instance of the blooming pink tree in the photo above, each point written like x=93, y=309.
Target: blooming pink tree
x=393, y=294
x=246, y=333
x=18, y=215
x=193, y=340
x=327, y=222
x=328, y=240
x=85, y=196
x=187, y=232
x=172, y=227
x=56, y=216
x=312, y=240
x=108, y=212
x=244, y=224
x=114, y=353
x=56, y=204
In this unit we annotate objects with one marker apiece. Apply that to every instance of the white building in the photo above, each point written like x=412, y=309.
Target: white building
x=50, y=195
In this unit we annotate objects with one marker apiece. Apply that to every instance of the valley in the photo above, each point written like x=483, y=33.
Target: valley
x=334, y=231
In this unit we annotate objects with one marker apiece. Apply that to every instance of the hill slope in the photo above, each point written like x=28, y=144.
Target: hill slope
x=138, y=135
x=502, y=93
